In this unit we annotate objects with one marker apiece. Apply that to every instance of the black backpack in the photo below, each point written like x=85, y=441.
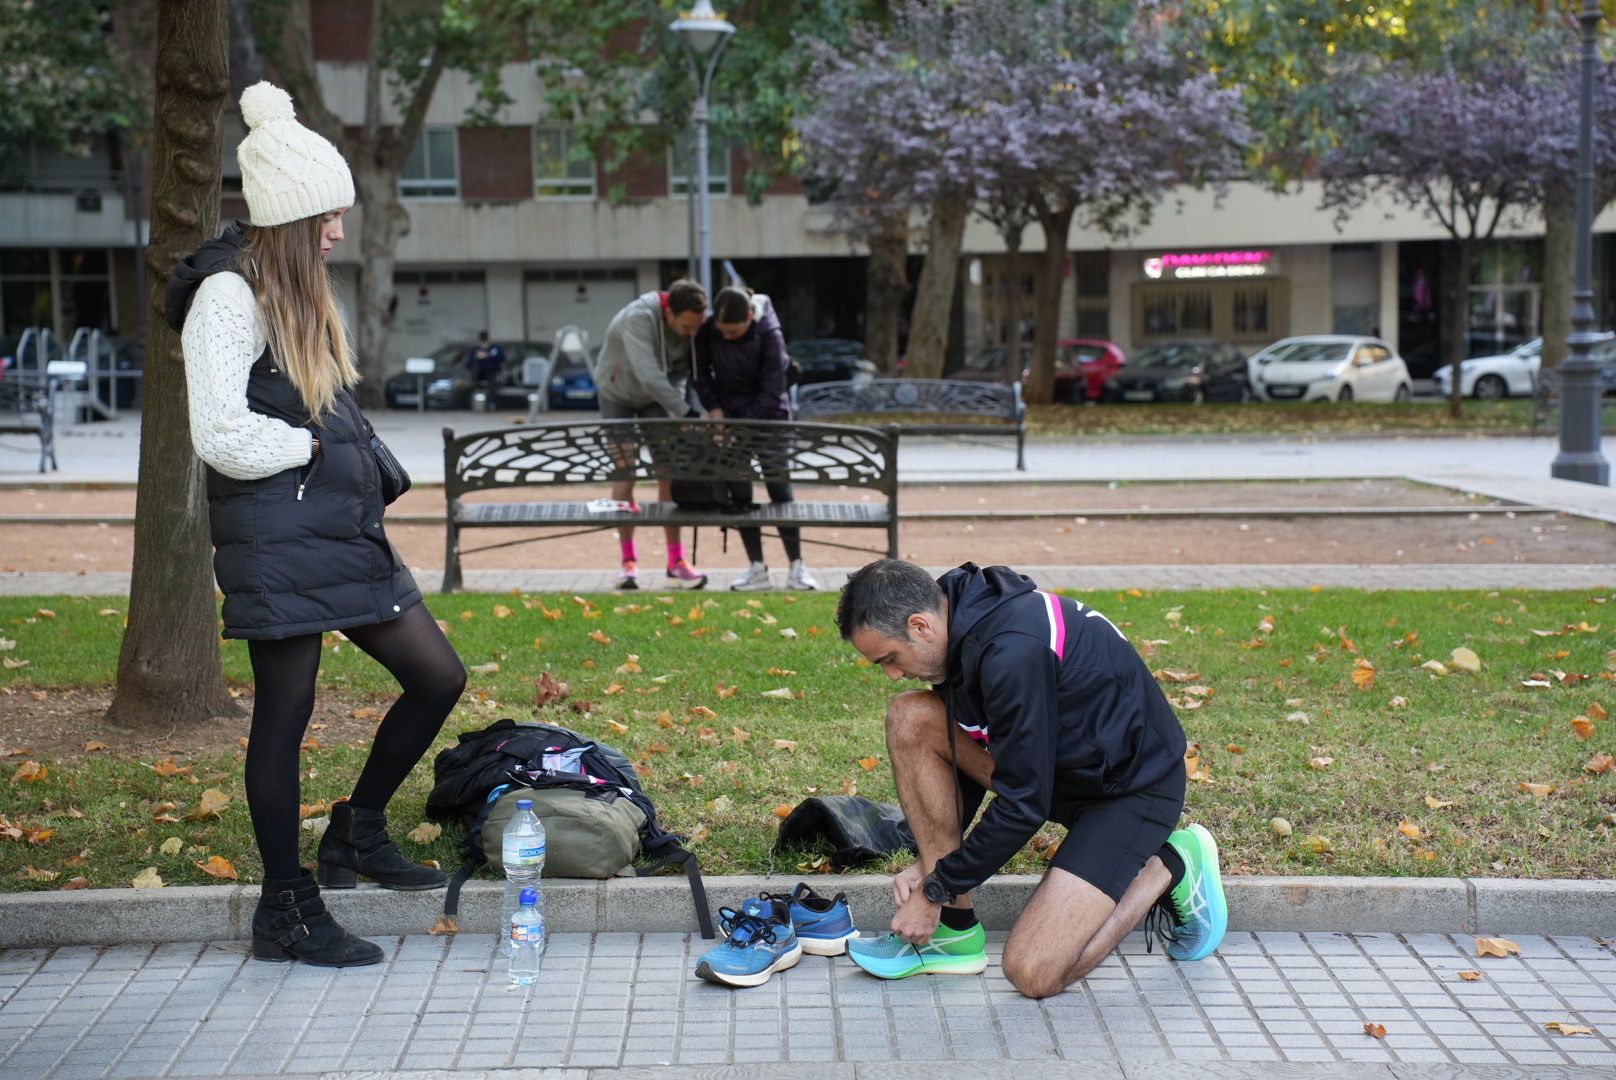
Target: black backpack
x=470, y=777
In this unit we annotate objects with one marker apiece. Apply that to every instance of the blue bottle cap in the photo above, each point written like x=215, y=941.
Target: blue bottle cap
x=524, y=804
x=530, y=897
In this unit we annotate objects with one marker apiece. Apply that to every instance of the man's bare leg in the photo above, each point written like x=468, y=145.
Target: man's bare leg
x=917, y=746
x=1069, y=926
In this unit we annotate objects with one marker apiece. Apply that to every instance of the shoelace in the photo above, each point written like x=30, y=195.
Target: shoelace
x=1160, y=923
x=746, y=929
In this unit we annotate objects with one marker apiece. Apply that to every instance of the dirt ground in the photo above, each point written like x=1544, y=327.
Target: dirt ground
x=1068, y=536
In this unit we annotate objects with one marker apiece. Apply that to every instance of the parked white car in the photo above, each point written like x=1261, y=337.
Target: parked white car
x=1329, y=367
x=1511, y=374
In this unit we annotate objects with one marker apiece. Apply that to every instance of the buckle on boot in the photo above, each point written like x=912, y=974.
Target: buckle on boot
x=285, y=898
x=292, y=916
x=294, y=935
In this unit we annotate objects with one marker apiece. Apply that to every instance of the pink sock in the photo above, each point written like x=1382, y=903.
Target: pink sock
x=628, y=550
x=676, y=552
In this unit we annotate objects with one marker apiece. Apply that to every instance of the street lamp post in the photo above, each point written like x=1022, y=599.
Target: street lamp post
x=704, y=34
x=1580, y=457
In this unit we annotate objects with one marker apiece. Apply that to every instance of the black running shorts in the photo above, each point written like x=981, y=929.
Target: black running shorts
x=1108, y=841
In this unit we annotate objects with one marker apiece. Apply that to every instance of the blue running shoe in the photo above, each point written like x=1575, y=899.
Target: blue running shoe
x=1195, y=906
x=824, y=926
x=759, y=943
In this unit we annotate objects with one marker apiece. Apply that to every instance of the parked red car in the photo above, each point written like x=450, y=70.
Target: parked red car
x=1082, y=365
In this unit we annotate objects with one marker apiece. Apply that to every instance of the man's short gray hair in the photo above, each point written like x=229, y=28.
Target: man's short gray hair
x=882, y=595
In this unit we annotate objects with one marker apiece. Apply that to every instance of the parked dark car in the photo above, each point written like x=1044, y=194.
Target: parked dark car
x=571, y=385
x=1082, y=366
x=986, y=364
x=450, y=385
x=1192, y=371
x=822, y=360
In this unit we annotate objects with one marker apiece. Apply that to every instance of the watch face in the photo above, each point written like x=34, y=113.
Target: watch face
x=935, y=891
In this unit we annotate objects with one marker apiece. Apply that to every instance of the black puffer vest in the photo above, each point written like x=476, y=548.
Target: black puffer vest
x=302, y=551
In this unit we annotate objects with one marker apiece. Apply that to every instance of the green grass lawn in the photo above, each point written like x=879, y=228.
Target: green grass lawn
x=1283, y=729
x=1513, y=416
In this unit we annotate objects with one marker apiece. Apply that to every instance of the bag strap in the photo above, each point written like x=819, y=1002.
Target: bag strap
x=673, y=854
x=451, y=899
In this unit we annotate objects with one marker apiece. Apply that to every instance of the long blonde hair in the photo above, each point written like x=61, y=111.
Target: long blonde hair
x=293, y=288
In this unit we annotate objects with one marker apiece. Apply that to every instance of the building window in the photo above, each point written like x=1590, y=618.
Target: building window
x=432, y=170
x=682, y=160
x=560, y=170
x=1248, y=312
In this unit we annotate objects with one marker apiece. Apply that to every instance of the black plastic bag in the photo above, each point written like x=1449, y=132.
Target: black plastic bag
x=856, y=830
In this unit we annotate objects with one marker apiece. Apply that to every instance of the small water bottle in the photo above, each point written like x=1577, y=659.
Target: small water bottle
x=523, y=855
x=527, y=939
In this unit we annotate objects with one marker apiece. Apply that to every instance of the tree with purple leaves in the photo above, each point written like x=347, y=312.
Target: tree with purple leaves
x=1024, y=112
x=1482, y=138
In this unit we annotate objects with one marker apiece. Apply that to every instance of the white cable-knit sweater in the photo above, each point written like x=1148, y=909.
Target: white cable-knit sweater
x=223, y=337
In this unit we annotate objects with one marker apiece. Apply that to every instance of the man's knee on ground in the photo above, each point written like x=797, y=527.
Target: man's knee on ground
x=1040, y=974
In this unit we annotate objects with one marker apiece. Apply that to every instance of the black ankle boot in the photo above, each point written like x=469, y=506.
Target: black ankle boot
x=356, y=842
x=291, y=923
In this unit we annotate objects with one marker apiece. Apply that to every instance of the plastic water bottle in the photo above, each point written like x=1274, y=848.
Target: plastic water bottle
x=523, y=855
x=527, y=939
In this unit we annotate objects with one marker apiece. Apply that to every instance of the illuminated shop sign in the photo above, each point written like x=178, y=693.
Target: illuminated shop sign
x=1184, y=265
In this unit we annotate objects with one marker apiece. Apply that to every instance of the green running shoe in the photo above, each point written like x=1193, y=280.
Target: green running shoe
x=949, y=952
x=1196, y=903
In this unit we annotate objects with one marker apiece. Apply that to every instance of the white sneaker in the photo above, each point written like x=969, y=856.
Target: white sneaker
x=799, y=579
x=754, y=579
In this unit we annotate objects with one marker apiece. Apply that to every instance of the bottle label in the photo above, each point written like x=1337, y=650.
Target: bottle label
x=527, y=933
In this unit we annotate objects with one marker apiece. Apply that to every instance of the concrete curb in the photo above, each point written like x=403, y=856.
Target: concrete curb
x=663, y=904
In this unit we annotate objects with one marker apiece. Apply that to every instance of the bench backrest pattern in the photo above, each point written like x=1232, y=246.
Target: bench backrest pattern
x=604, y=450
x=22, y=394
x=952, y=396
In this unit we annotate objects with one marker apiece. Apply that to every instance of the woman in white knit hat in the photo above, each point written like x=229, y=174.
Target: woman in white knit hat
x=295, y=498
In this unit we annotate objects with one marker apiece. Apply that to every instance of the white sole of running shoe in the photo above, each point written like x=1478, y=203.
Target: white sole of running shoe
x=783, y=962
x=827, y=946
x=974, y=965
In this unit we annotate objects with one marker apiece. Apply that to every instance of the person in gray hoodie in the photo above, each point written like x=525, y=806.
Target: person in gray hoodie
x=642, y=373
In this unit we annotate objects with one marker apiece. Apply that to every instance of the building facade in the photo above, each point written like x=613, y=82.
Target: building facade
x=512, y=231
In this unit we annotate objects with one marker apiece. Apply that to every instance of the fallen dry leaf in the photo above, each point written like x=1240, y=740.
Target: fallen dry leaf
x=211, y=805
x=171, y=846
x=725, y=691
x=1496, y=946
x=1466, y=660
x=738, y=735
x=1398, y=702
x=783, y=810
x=1435, y=803
x=703, y=712
x=664, y=719
x=1279, y=827
x=92, y=747
x=147, y=879
x=1539, y=791
x=1599, y=763
x=617, y=727
x=1363, y=674
x=599, y=636
x=218, y=866
x=785, y=744
x=168, y=768
x=1469, y=976
x=1377, y=1030
x=613, y=688
x=782, y=693
x=780, y=672
x=446, y=924
x=501, y=611
x=76, y=883
x=868, y=764
x=1582, y=727
x=699, y=834
x=1435, y=667
x=1409, y=829
x=426, y=832
x=489, y=668
x=1565, y=1028
x=1597, y=711
x=1319, y=762
x=33, y=873
x=1319, y=845
x=29, y=772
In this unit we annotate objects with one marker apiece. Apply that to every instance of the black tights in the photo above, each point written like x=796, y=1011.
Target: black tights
x=752, y=536
x=413, y=650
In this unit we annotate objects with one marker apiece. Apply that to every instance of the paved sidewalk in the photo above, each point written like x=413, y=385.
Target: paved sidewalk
x=1090, y=579
x=613, y=1000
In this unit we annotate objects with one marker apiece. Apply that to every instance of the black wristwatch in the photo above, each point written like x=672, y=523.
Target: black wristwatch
x=934, y=889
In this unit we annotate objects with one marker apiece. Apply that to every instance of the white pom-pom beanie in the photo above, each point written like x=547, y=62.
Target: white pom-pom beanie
x=287, y=171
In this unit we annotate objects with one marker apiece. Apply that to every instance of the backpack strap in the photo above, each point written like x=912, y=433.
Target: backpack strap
x=671, y=853
x=451, y=899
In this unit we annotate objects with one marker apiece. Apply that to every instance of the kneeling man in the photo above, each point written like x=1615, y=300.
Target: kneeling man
x=1044, y=702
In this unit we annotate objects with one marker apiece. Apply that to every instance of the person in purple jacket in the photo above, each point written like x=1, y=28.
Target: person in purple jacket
x=741, y=363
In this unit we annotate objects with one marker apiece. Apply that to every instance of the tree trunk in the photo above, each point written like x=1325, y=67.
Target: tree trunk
x=1559, y=269
x=934, y=296
x=885, y=285
x=1459, y=319
x=382, y=223
x=168, y=669
x=1012, y=304
x=1057, y=223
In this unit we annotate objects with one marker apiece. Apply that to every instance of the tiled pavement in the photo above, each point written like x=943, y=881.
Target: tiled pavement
x=615, y=1000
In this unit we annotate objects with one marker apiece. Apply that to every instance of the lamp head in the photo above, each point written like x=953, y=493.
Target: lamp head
x=702, y=28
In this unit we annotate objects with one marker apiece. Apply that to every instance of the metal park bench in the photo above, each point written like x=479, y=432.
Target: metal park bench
x=982, y=408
